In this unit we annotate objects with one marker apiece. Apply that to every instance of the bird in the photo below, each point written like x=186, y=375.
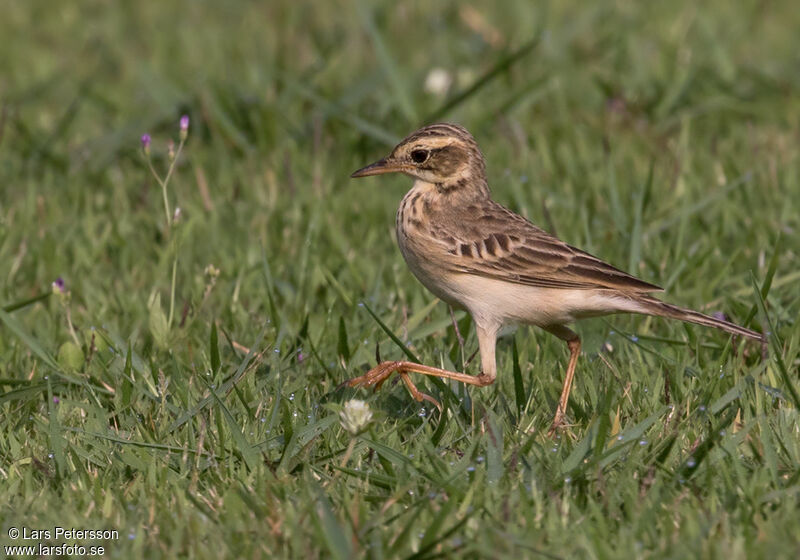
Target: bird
x=475, y=254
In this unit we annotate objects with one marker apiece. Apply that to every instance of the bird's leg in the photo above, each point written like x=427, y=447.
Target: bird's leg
x=487, y=337
x=574, y=344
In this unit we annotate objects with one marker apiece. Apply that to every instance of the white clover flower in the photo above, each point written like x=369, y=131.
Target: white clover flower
x=355, y=416
x=438, y=81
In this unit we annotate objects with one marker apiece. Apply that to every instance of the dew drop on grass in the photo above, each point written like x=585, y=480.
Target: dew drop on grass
x=470, y=468
x=620, y=437
x=263, y=419
x=479, y=458
x=634, y=338
x=422, y=412
x=50, y=455
x=701, y=408
x=567, y=480
x=722, y=432
x=291, y=397
x=555, y=448
x=131, y=536
x=691, y=463
x=642, y=442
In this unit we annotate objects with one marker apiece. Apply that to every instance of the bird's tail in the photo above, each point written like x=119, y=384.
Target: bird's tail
x=653, y=306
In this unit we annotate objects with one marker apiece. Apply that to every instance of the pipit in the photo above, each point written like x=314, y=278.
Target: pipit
x=477, y=255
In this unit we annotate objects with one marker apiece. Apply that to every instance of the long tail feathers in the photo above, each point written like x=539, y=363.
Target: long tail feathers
x=657, y=307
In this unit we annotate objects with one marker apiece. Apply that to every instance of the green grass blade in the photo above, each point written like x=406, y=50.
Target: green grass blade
x=30, y=341
x=500, y=67
x=213, y=349
x=519, y=385
x=11, y=307
x=336, y=536
x=776, y=346
x=246, y=450
x=387, y=62
x=407, y=351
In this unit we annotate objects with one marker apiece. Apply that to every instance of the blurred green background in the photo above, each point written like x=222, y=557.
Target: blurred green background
x=662, y=137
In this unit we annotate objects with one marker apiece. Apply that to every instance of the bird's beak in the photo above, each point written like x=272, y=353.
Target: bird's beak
x=380, y=167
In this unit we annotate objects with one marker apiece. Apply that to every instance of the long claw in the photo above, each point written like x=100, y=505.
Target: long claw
x=436, y=403
x=417, y=394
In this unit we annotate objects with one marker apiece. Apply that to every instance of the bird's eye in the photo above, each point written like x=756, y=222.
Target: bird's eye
x=419, y=156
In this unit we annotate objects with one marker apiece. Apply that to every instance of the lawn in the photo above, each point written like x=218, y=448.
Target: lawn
x=180, y=383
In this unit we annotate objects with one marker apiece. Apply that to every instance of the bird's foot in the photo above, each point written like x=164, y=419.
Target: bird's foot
x=380, y=373
x=559, y=424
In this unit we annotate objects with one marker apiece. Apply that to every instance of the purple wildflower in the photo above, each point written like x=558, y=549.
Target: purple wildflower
x=56, y=400
x=59, y=286
x=146, y=143
x=184, y=127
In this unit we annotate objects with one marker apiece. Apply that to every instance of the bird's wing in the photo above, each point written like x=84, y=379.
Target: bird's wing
x=506, y=246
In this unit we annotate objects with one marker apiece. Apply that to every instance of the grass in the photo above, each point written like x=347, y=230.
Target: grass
x=661, y=137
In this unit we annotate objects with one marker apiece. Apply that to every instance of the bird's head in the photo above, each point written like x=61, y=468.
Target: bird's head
x=445, y=155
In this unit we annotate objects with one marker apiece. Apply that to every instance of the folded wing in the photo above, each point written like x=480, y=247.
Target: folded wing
x=512, y=249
